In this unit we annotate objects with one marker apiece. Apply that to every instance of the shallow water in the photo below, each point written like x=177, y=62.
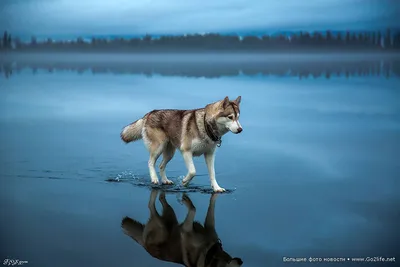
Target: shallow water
x=315, y=172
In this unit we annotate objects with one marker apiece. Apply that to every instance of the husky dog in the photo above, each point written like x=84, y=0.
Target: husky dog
x=194, y=132
x=189, y=243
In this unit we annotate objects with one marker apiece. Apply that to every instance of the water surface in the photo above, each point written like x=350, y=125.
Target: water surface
x=313, y=174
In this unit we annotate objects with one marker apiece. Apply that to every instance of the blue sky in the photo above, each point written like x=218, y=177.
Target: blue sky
x=85, y=17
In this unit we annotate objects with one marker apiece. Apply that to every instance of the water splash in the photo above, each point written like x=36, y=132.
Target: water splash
x=177, y=187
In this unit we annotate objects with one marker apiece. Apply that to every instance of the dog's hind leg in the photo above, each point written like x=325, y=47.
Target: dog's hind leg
x=168, y=214
x=155, y=232
x=154, y=155
x=155, y=141
x=187, y=225
x=152, y=203
x=168, y=154
x=188, y=157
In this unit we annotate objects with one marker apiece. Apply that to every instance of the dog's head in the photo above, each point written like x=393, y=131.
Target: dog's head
x=235, y=262
x=228, y=116
x=216, y=256
x=222, y=259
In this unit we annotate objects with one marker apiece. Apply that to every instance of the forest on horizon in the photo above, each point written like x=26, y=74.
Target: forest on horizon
x=327, y=40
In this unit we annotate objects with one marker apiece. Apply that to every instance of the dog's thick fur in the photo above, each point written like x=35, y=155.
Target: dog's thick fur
x=189, y=243
x=194, y=132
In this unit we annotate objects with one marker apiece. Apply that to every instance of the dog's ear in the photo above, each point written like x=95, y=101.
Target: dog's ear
x=225, y=102
x=237, y=100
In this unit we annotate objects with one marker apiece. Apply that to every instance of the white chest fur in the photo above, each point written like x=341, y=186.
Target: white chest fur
x=200, y=146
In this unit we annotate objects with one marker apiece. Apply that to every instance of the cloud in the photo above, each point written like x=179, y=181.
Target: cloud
x=179, y=16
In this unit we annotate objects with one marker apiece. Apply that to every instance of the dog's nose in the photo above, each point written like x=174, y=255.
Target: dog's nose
x=239, y=130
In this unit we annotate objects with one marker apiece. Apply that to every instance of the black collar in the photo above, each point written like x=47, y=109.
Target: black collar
x=210, y=130
x=211, y=252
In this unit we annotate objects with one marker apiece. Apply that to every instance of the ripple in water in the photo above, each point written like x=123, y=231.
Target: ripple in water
x=177, y=187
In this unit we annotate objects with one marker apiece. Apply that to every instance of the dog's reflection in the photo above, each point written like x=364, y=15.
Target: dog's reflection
x=188, y=243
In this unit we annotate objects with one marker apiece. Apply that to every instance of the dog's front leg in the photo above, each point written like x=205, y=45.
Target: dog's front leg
x=210, y=158
x=209, y=222
x=188, y=157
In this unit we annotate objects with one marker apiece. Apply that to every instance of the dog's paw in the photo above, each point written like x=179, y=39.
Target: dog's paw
x=185, y=183
x=155, y=182
x=219, y=189
x=167, y=181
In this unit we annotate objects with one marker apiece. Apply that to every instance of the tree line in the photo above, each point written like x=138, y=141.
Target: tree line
x=368, y=40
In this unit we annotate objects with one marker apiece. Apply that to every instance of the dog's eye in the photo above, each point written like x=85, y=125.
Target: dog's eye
x=230, y=117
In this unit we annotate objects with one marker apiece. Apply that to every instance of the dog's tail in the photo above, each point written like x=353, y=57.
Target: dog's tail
x=132, y=132
x=134, y=229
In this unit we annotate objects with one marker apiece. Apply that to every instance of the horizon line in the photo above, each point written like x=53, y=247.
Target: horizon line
x=254, y=32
